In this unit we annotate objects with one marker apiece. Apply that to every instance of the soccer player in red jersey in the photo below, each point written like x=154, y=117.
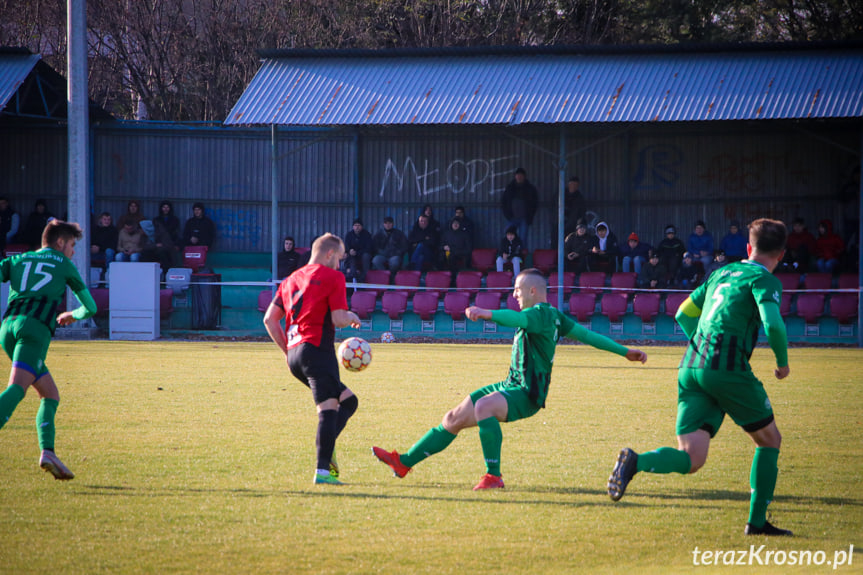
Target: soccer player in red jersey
x=313, y=301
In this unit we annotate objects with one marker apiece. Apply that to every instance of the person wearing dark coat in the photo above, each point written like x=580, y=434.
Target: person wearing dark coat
x=603, y=254
x=455, y=248
x=509, y=251
x=10, y=221
x=653, y=274
x=391, y=245
x=35, y=225
x=519, y=203
x=574, y=209
x=199, y=229
x=288, y=260
x=423, y=241
x=359, y=249
x=576, y=249
x=103, y=240
x=671, y=250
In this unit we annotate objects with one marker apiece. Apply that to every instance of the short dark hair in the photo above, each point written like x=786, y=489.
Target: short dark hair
x=457, y=208
x=520, y=171
x=389, y=219
x=767, y=236
x=57, y=230
x=198, y=205
x=289, y=238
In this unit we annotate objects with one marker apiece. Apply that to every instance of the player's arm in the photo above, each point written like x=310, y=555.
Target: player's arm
x=272, y=322
x=599, y=341
x=85, y=310
x=345, y=318
x=504, y=317
x=687, y=316
x=774, y=327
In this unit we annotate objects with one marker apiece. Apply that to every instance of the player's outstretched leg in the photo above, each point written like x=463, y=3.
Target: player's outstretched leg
x=762, y=482
x=624, y=469
x=9, y=400
x=434, y=441
x=489, y=481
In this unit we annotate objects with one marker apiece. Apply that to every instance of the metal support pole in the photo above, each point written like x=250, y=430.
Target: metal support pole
x=561, y=191
x=274, y=199
x=859, y=250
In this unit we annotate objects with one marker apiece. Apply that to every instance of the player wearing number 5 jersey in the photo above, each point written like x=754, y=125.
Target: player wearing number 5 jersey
x=38, y=283
x=313, y=302
x=722, y=318
x=522, y=394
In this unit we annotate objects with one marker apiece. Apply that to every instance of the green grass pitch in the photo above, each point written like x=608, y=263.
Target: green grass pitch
x=199, y=456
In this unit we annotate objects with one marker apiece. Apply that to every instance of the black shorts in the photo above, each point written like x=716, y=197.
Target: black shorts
x=318, y=369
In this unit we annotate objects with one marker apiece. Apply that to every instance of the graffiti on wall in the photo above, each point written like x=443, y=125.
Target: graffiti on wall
x=476, y=176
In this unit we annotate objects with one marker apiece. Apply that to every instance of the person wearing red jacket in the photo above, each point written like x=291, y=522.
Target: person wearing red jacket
x=828, y=247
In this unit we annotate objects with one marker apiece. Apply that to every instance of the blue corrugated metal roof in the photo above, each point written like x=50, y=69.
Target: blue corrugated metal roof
x=507, y=88
x=14, y=69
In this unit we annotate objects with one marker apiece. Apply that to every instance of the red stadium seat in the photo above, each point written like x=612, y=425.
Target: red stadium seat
x=454, y=304
x=425, y=304
x=394, y=303
x=843, y=306
x=591, y=282
x=673, y=301
x=194, y=257
x=102, y=298
x=302, y=250
x=624, y=281
x=818, y=281
x=568, y=282
x=785, y=304
x=810, y=306
x=441, y=281
x=363, y=303
x=499, y=282
x=789, y=281
x=264, y=299
x=483, y=259
x=512, y=303
x=468, y=281
x=15, y=249
x=848, y=281
x=377, y=277
x=488, y=300
x=582, y=306
x=166, y=305
x=614, y=305
x=646, y=306
x=545, y=260
x=408, y=278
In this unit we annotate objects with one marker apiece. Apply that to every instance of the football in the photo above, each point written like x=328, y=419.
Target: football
x=388, y=337
x=355, y=354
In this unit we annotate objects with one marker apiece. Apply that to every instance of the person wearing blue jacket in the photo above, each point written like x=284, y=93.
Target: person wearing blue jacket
x=734, y=243
x=700, y=244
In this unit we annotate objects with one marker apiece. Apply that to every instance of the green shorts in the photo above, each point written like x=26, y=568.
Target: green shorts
x=26, y=342
x=519, y=405
x=704, y=396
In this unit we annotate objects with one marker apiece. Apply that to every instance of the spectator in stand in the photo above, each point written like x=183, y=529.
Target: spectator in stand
x=576, y=249
x=719, y=260
x=687, y=274
x=509, y=251
x=35, y=225
x=199, y=229
x=734, y=243
x=799, y=248
x=455, y=248
x=170, y=222
x=391, y=245
x=671, y=250
x=467, y=226
x=428, y=211
x=103, y=240
x=603, y=254
x=574, y=210
x=423, y=241
x=130, y=242
x=653, y=274
x=828, y=247
x=359, y=249
x=161, y=247
x=288, y=260
x=9, y=223
x=634, y=254
x=701, y=244
x=133, y=214
x=519, y=203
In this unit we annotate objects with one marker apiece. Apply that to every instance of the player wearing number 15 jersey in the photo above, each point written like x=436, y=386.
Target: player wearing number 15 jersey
x=313, y=302
x=38, y=283
x=722, y=318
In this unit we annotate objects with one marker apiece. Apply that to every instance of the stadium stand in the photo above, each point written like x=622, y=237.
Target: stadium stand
x=591, y=282
x=440, y=280
x=394, y=303
x=673, y=301
x=195, y=257
x=488, y=300
x=377, y=277
x=363, y=303
x=483, y=259
x=468, y=281
x=454, y=304
x=425, y=304
x=614, y=305
x=545, y=260
x=646, y=306
x=582, y=305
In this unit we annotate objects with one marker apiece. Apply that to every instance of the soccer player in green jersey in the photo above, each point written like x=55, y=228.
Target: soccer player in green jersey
x=38, y=283
x=522, y=394
x=721, y=319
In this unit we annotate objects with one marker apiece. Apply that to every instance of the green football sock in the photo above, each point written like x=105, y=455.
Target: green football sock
x=491, y=437
x=45, y=423
x=9, y=400
x=434, y=441
x=762, y=481
x=664, y=460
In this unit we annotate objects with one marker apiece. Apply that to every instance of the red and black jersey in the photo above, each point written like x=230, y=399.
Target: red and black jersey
x=308, y=296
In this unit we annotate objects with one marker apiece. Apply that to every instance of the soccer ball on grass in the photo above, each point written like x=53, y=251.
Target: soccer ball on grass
x=355, y=354
x=388, y=337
